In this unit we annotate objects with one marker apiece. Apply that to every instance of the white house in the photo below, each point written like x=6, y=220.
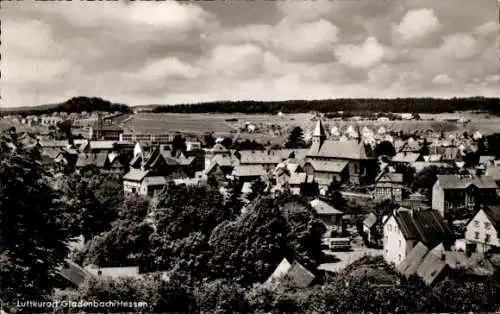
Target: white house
x=482, y=229
x=404, y=228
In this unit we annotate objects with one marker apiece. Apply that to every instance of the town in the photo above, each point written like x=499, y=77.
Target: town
x=330, y=202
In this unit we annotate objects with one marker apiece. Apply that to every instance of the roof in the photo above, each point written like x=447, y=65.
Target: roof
x=223, y=161
x=493, y=213
x=187, y=181
x=114, y=272
x=427, y=226
x=462, y=182
x=319, y=130
x=405, y=157
x=74, y=272
x=413, y=260
x=339, y=149
x=136, y=175
x=435, y=157
x=249, y=171
x=430, y=268
x=156, y=180
x=96, y=159
x=322, y=208
x=297, y=274
x=370, y=220
x=246, y=188
x=494, y=172
x=259, y=157
x=486, y=159
x=297, y=178
x=219, y=148
x=391, y=177
x=328, y=165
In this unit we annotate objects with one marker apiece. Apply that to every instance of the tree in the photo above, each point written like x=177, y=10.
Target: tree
x=296, y=138
x=408, y=172
x=258, y=188
x=209, y=140
x=425, y=179
x=178, y=144
x=64, y=129
x=334, y=195
x=33, y=230
x=222, y=296
x=384, y=148
x=249, y=248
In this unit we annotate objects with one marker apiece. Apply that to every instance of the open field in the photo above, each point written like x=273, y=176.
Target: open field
x=198, y=124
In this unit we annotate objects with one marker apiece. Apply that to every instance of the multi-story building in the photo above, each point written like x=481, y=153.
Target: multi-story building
x=389, y=186
x=455, y=192
x=482, y=229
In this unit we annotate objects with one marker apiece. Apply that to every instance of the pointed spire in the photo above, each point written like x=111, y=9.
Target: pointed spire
x=319, y=130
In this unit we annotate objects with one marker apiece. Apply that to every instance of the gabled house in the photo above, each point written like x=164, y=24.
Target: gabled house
x=294, y=272
x=452, y=192
x=330, y=216
x=482, y=231
x=298, y=180
x=404, y=228
x=351, y=153
x=429, y=265
x=147, y=173
x=405, y=158
x=389, y=186
x=248, y=173
x=327, y=171
x=268, y=159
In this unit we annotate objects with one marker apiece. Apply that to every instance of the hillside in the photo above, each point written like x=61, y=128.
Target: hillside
x=75, y=104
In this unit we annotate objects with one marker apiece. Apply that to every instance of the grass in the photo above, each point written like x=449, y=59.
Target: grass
x=198, y=124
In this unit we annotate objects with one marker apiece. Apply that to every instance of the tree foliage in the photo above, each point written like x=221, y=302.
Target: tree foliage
x=296, y=138
x=33, y=232
x=384, y=148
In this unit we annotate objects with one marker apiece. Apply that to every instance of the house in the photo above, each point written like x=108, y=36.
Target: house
x=298, y=180
x=113, y=272
x=389, y=186
x=410, y=146
x=99, y=160
x=297, y=275
x=330, y=216
x=248, y=173
x=482, y=229
x=404, y=228
x=452, y=192
x=486, y=160
x=429, y=265
x=351, y=153
x=268, y=159
x=147, y=173
x=327, y=171
x=74, y=273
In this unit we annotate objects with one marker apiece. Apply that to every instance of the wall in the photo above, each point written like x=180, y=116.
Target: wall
x=395, y=245
x=128, y=186
x=477, y=224
x=438, y=198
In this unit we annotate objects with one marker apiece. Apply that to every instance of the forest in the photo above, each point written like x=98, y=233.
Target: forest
x=413, y=105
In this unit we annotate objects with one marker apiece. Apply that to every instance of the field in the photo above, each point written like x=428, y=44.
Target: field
x=198, y=124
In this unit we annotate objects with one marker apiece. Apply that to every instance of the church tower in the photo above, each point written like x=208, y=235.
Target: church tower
x=319, y=134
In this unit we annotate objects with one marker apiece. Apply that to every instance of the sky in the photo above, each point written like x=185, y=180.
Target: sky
x=169, y=52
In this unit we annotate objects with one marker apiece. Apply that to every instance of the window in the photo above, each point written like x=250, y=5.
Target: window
x=476, y=236
x=487, y=225
x=389, y=227
x=399, y=257
x=399, y=243
x=476, y=223
x=487, y=238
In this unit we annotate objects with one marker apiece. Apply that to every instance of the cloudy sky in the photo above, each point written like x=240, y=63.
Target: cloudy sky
x=169, y=52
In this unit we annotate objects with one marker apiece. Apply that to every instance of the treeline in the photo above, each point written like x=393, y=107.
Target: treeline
x=415, y=105
x=75, y=104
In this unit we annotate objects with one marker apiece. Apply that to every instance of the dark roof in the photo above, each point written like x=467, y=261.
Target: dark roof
x=96, y=159
x=322, y=208
x=462, y=182
x=391, y=177
x=295, y=272
x=493, y=213
x=136, y=175
x=427, y=226
x=331, y=166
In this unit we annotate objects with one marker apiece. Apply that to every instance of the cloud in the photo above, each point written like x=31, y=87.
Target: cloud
x=236, y=60
x=306, y=10
x=493, y=79
x=417, y=24
x=305, y=39
x=460, y=46
x=442, y=79
x=169, y=67
x=487, y=28
x=365, y=55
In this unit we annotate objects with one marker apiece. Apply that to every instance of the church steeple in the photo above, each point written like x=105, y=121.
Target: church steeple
x=319, y=134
